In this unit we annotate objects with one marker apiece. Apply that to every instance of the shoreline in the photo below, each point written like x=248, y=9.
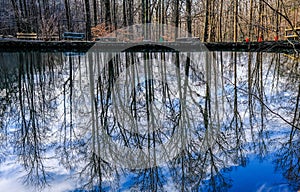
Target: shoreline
x=188, y=46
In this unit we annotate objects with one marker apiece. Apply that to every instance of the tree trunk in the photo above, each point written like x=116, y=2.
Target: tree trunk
x=206, y=23
x=259, y=32
x=212, y=22
x=68, y=14
x=88, y=20
x=145, y=17
x=16, y=11
x=176, y=18
x=115, y=14
x=235, y=32
x=124, y=13
x=277, y=19
x=95, y=12
x=250, y=28
x=107, y=14
x=189, y=17
x=130, y=12
x=220, y=21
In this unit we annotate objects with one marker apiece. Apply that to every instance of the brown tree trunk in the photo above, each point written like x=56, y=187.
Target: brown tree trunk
x=206, y=23
x=235, y=32
x=250, y=28
x=107, y=14
x=220, y=21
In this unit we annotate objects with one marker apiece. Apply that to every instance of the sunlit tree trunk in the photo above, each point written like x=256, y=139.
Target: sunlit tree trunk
x=221, y=21
x=260, y=13
x=235, y=27
x=250, y=28
x=212, y=22
x=277, y=18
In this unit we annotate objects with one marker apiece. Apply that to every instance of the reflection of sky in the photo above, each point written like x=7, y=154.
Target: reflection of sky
x=256, y=176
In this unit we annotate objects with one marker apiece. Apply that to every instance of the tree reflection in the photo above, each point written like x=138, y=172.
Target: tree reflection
x=160, y=119
x=29, y=111
x=288, y=156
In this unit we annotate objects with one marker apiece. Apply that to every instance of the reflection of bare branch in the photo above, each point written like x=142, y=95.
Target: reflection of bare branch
x=269, y=109
x=296, y=119
x=157, y=114
x=35, y=109
x=288, y=158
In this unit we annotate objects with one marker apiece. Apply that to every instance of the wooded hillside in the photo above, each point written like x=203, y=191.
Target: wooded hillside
x=210, y=20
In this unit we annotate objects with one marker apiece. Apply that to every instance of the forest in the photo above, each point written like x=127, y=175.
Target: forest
x=208, y=20
x=88, y=116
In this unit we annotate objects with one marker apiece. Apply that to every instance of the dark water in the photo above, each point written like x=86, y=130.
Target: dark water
x=201, y=121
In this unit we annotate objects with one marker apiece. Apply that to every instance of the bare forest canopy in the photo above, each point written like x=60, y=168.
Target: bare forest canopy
x=209, y=20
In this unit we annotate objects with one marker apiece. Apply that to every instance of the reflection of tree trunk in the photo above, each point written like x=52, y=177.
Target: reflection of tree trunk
x=206, y=114
x=238, y=126
x=92, y=98
x=261, y=90
x=235, y=109
x=95, y=160
x=296, y=119
x=250, y=98
x=222, y=82
x=250, y=102
x=30, y=146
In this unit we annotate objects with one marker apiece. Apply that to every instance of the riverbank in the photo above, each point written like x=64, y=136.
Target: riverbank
x=84, y=46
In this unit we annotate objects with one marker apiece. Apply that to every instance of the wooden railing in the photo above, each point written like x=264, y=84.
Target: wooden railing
x=26, y=35
x=292, y=34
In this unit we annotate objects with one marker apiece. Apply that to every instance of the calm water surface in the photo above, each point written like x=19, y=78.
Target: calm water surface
x=200, y=121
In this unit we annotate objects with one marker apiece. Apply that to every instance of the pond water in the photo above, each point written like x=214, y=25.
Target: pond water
x=149, y=121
